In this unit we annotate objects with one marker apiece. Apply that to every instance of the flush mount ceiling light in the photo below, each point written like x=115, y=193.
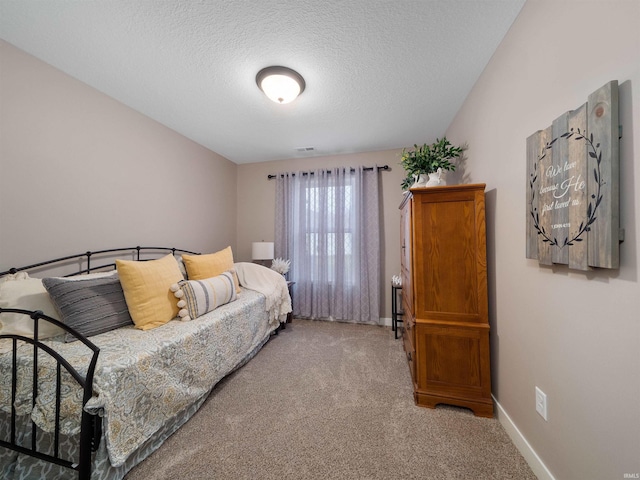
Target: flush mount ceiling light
x=280, y=84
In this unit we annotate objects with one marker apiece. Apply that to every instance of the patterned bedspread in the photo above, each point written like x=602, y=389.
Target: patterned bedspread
x=143, y=379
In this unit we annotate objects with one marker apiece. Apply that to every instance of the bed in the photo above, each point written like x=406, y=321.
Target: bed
x=107, y=401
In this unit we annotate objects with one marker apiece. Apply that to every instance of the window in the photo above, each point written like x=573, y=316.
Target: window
x=327, y=224
x=335, y=240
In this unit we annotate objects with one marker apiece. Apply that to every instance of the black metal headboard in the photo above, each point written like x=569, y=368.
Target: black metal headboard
x=84, y=259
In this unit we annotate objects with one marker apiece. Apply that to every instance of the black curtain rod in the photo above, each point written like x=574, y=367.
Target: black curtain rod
x=383, y=167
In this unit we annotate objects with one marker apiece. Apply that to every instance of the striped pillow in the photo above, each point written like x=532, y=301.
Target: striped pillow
x=197, y=297
x=91, y=304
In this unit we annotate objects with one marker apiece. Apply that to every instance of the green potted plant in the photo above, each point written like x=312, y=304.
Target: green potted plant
x=428, y=159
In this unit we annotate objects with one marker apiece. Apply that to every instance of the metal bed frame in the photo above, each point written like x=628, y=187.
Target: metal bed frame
x=90, y=425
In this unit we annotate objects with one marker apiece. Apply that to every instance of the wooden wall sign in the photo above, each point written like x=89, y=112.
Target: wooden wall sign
x=573, y=198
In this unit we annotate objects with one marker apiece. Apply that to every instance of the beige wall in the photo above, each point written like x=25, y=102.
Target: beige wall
x=80, y=171
x=256, y=205
x=575, y=335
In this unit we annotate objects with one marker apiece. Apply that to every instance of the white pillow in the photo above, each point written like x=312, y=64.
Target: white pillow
x=20, y=291
x=87, y=276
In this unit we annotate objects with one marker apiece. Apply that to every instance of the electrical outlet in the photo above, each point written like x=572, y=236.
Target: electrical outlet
x=541, y=403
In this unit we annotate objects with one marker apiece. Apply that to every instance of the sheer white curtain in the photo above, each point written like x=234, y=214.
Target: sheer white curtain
x=328, y=225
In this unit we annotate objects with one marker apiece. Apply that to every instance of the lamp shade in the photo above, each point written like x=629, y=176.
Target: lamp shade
x=280, y=84
x=262, y=251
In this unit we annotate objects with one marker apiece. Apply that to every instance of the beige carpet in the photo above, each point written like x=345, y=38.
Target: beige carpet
x=331, y=401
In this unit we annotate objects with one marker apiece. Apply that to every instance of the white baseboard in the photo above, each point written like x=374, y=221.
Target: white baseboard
x=529, y=454
x=385, y=321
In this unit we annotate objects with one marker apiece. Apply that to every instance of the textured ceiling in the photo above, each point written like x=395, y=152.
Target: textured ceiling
x=380, y=74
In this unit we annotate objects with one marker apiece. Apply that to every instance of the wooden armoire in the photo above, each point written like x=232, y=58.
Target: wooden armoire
x=444, y=295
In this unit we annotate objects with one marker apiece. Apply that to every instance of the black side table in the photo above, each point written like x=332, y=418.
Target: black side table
x=396, y=308
x=283, y=325
x=290, y=314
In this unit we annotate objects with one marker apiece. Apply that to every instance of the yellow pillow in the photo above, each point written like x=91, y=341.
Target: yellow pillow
x=201, y=267
x=146, y=287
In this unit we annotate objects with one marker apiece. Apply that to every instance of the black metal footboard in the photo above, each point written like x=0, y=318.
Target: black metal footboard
x=91, y=425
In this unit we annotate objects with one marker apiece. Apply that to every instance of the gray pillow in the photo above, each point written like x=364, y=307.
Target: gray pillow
x=89, y=306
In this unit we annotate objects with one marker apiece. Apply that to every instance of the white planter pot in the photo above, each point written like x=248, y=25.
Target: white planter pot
x=436, y=179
